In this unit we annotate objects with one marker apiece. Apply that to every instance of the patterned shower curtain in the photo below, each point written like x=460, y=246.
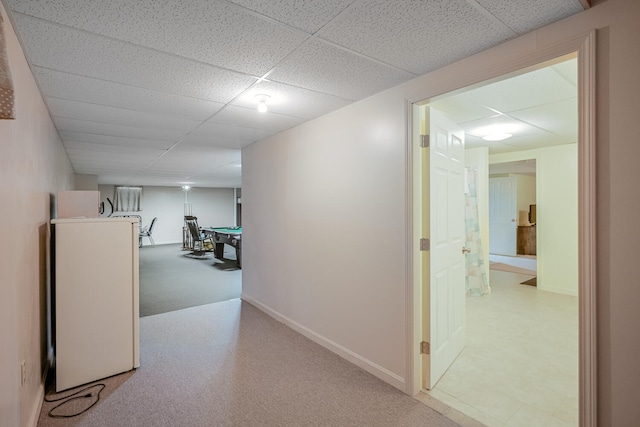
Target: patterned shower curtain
x=7, y=107
x=476, y=279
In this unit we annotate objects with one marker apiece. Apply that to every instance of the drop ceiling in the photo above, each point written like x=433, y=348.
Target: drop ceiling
x=538, y=108
x=164, y=93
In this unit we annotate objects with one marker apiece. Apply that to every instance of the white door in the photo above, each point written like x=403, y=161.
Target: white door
x=503, y=199
x=444, y=264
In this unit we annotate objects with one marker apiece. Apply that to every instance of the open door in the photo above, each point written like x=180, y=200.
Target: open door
x=442, y=258
x=503, y=212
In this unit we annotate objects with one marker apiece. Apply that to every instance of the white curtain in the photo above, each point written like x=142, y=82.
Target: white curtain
x=127, y=199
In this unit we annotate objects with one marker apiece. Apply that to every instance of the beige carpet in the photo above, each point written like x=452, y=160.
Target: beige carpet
x=229, y=364
x=511, y=269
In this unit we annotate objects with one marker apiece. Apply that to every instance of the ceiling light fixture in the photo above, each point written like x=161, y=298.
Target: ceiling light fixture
x=262, y=102
x=497, y=136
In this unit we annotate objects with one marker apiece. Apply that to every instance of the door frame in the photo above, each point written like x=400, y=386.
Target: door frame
x=585, y=46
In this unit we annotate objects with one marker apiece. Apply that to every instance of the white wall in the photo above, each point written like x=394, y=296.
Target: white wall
x=336, y=188
x=33, y=167
x=214, y=207
x=557, y=214
x=324, y=214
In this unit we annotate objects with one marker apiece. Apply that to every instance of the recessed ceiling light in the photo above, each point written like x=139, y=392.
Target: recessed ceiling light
x=262, y=102
x=497, y=136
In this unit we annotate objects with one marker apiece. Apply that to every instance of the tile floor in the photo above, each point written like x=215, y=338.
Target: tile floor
x=520, y=364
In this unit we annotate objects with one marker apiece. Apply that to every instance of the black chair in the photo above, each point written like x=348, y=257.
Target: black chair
x=201, y=243
x=146, y=232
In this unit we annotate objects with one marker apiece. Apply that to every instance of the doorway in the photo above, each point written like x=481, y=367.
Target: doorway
x=582, y=175
x=515, y=250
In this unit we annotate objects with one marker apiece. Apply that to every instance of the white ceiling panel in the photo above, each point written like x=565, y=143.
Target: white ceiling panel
x=93, y=138
x=118, y=116
x=127, y=153
x=539, y=87
x=84, y=126
x=247, y=117
x=232, y=132
x=213, y=157
x=213, y=32
x=462, y=110
x=471, y=141
x=80, y=52
x=499, y=124
x=173, y=162
x=182, y=77
x=59, y=84
x=525, y=15
x=291, y=100
x=399, y=32
x=203, y=142
x=560, y=118
x=306, y=15
x=323, y=67
x=568, y=70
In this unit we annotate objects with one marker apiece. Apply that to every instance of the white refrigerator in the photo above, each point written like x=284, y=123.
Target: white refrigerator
x=96, y=289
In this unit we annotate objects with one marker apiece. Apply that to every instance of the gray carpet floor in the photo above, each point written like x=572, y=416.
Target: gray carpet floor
x=171, y=280
x=229, y=364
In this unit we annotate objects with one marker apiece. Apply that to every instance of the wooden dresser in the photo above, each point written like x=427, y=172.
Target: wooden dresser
x=526, y=240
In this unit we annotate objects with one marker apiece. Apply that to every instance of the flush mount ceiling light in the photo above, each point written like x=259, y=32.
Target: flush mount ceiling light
x=497, y=136
x=262, y=102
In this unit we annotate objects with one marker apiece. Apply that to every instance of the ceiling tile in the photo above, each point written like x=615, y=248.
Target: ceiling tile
x=250, y=117
x=128, y=153
x=326, y=68
x=213, y=32
x=471, y=141
x=79, y=88
x=188, y=163
x=80, y=52
x=240, y=135
x=291, y=100
x=306, y=15
x=499, y=124
x=93, y=138
x=461, y=110
x=118, y=116
x=538, y=87
x=417, y=36
x=83, y=126
x=214, y=156
x=205, y=141
x=559, y=117
x=568, y=70
x=525, y=15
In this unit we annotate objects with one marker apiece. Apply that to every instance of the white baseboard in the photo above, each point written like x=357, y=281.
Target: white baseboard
x=35, y=413
x=559, y=290
x=374, y=369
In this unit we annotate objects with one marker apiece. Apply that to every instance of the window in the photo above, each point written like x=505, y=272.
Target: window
x=127, y=199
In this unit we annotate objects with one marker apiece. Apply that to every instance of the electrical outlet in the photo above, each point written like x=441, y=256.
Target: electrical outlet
x=23, y=372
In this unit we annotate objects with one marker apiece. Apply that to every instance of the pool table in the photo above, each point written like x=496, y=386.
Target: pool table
x=225, y=235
